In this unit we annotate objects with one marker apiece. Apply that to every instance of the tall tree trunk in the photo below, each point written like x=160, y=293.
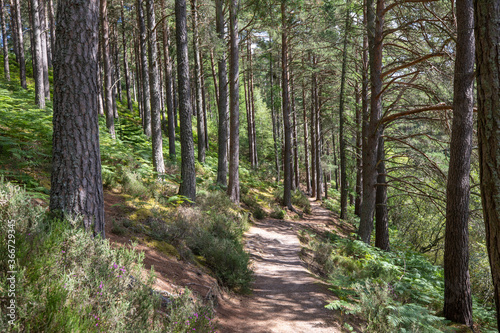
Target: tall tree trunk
x=318, y=137
x=294, y=134
x=44, y=53
x=274, y=119
x=375, y=27
x=487, y=16
x=359, y=165
x=457, y=289
x=287, y=176
x=233, y=188
x=200, y=121
x=37, y=55
x=100, y=101
x=381, y=215
x=343, y=171
x=13, y=29
x=222, y=167
x=156, y=138
x=146, y=95
x=253, y=147
x=20, y=40
x=306, y=144
x=108, y=80
x=214, y=74
x=125, y=63
x=204, y=104
x=168, y=84
x=48, y=41
x=76, y=184
x=188, y=172
x=313, y=129
x=52, y=25
x=4, y=42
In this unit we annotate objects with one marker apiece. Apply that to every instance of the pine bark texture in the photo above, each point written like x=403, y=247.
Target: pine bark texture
x=20, y=40
x=375, y=25
x=200, y=117
x=4, y=42
x=487, y=32
x=37, y=55
x=154, y=75
x=457, y=289
x=381, y=213
x=44, y=49
x=287, y=153
x=233, y=188
x=168, y=84
x=188, y=172
x=108, y=79
x=146, y=95
x=76, y=184
x=223, y=135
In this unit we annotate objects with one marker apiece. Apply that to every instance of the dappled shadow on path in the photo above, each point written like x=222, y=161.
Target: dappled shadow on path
x=286, y=296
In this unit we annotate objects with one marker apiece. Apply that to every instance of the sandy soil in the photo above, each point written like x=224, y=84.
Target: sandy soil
x=287, y=298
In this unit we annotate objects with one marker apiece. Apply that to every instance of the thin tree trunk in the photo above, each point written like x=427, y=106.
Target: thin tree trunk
x=222, y=167
x=318, y=137
x=125, y=63
x=156, y=138
x=52, y=25
x=214, y=76
x=295, y=134
x=13, y=29
x=343, y=171
x=4, y=42
x=48, y=41
x=287, y=176
x=457, y=288
x=200, y=122
x=233, y=188
x=43, y=44
x=37, y=59
x=108, y=93
x=168, y=84
x=100, y=101
x=313, y=130
x=188, y=172
x=359, y=174
x=306, y=140
x=381, y=215
x=487, y=16
x=204, y=104
x=146, y=95
x=76, y=184
x=274, y=119
x=20, y=40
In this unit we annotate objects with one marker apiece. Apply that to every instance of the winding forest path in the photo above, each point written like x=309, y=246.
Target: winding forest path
x=286, y=298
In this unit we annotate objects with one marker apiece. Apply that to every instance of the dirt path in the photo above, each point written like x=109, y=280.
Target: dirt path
x=287, y=298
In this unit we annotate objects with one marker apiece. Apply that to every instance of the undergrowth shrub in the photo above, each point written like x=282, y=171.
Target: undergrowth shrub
x=67, y=281
x=213, y=229
x=299, y=199
x=398, y=291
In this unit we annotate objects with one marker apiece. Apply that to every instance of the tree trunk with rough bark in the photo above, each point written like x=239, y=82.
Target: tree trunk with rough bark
x=233, y=189
x=6, y=69
x=20, y=40
x=37, y=55
x=487, y=32
x=287, y=154
x=375, y=25
x=381, y=214
x=188, y=171
x=168, y=84
x=146, y=95
x=457, y=289
x=125, y=63
x=222, y=168
x=76, y=184
x=156, y=137
x=306, y=140
x=108, y=79
x=43, y=44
